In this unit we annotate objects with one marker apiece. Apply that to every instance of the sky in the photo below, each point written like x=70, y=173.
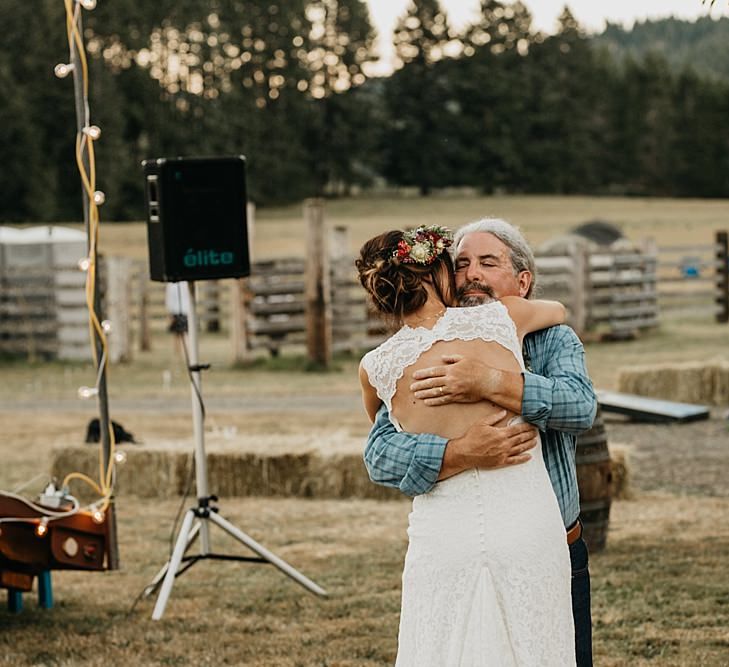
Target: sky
x=591, y=14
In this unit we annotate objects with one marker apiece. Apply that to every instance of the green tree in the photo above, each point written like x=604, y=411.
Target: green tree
x=341, y=136
x=646, y=125
x=418, y=144
x=566, y=105
x=499, y=28
x=229, y=77
x=421, y=34
x=37, y=110
x=700, y=150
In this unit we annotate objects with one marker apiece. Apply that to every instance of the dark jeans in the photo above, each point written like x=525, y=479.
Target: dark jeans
x=581, y=603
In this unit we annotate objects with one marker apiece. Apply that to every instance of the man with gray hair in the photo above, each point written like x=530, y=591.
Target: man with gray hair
x=555, y=395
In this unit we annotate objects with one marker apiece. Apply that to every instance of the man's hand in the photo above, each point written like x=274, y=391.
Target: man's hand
x=464, y=380
x=458, y=380
x=486, y=445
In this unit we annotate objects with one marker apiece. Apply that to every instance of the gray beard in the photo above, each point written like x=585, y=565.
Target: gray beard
x=474, y=300
x=483, y=294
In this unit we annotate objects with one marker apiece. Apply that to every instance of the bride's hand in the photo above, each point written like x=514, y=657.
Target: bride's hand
x=458, y=380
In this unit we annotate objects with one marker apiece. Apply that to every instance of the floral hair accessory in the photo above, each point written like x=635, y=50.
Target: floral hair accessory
x=423, y=244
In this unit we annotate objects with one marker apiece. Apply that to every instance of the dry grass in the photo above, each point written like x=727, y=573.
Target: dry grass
x=657, y=599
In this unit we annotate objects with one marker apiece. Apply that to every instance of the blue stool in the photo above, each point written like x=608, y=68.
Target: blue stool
x=45, y=590
x=15, y=601
x=45, y=594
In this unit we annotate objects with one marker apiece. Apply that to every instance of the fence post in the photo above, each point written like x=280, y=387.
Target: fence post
x=722, y=275
x=241, y=297
x=144, y=337
x=649, y=248
x=318, y=286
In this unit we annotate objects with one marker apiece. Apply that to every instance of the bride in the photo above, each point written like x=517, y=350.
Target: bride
x=487, y=572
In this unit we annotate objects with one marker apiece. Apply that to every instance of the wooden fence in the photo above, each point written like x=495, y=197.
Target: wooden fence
x=693, y=281
x=267, y=311
x=608, y=294
x=43, y=302
x=617, y=293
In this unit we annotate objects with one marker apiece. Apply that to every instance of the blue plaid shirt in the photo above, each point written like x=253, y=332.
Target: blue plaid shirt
x=558, y=399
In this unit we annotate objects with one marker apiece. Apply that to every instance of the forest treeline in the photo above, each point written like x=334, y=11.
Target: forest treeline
x=496, y=106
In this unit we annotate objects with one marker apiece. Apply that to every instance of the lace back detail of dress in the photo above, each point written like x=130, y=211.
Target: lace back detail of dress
x=489, y=322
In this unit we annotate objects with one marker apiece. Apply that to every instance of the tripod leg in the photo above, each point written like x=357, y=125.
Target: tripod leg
x=266, y=554
x=154, y=584
x=179, y=551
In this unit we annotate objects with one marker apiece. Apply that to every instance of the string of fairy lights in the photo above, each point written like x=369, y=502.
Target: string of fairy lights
x=98, y=330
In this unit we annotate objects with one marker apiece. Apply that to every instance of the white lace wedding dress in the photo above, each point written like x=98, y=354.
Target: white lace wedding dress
x=487, y=571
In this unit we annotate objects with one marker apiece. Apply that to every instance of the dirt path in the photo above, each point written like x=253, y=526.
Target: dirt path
x=162, y=405
x=688, y=458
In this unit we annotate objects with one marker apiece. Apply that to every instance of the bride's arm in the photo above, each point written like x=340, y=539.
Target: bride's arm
x=533, y=314
x=370, y=398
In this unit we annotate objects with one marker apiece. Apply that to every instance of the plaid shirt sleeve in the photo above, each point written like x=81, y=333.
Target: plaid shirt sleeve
x=400, y=460
x=560, y=396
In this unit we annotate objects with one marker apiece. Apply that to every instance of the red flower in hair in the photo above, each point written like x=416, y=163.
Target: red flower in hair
x=423, y=245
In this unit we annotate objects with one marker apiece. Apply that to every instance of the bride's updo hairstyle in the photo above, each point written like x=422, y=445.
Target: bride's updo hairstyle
x=394, y=266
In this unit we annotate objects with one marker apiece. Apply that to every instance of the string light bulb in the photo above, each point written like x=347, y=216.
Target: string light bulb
x=87, y=4
x=84, y=264
x=97, y=516
x=99, y=197
x=41, y=530
x=106, y=326
x=87, y=392
x=62, y=70
x=120, y=457
x=93, y=132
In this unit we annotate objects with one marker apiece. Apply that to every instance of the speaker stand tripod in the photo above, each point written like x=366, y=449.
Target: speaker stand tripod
x=198, y=518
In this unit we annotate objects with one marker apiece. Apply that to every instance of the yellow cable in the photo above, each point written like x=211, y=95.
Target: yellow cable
x=104, y=488
x=83, y=478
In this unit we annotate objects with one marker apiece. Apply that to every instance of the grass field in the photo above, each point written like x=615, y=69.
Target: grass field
x=281, y=232
x=660, y=594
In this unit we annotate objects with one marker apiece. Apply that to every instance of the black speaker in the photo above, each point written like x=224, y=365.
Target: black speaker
x=196, y=218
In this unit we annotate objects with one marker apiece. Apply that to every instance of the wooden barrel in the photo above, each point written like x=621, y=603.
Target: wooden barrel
x=594, y=478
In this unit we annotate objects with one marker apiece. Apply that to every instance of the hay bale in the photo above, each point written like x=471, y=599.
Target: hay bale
x=686, y=382
x=159, y=472
x=314, y=465
x=620, y=472
x=721, y=383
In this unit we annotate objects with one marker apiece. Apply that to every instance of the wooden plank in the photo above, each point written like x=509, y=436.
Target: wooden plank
x=259, y=327
x=618, y=326
x=691, y=311
x=624, y=312
x=650, y=409
x=684, y=249
x=552, y=264
x=608, y=280
x=282, y=266
x=621, y=261
x=693, y=294
x=277, y=308
x=682, y=280
x=269, y=289
x=603, y=296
